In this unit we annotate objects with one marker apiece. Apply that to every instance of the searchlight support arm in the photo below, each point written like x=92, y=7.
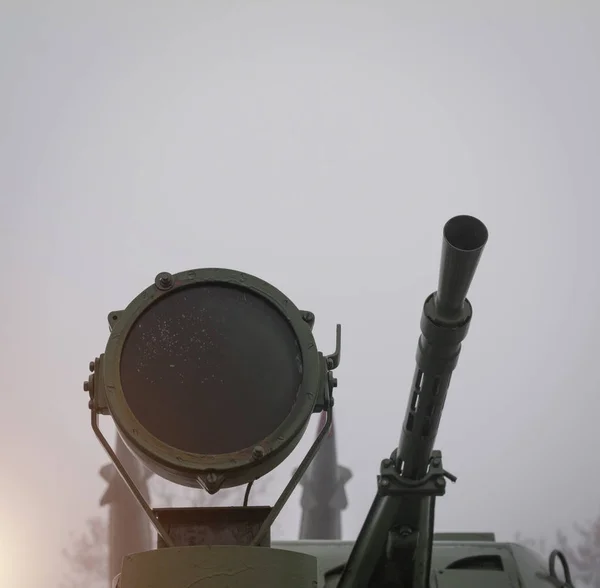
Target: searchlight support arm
x=394, y=545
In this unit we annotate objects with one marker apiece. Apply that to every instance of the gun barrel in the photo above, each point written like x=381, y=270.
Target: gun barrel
x=394, y=545
x=444, y=325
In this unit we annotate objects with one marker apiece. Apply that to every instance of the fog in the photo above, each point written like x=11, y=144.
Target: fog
x=320, y=146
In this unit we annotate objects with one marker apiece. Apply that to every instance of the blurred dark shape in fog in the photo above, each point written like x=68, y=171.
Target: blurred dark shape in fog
x=324, y=493
x=128, y=525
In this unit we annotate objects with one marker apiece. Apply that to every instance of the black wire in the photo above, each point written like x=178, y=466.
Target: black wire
x=247, y=494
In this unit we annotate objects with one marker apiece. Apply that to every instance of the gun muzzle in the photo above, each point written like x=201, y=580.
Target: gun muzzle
x=464, y=239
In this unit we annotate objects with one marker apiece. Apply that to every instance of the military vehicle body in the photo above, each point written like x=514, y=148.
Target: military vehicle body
x=461, y=560
x=211, y=377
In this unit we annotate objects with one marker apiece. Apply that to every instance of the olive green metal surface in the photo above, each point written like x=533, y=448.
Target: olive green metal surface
x=223, y=566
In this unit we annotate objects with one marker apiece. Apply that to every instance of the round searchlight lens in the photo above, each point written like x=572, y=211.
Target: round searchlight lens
x=211, y=369
x=211, y=375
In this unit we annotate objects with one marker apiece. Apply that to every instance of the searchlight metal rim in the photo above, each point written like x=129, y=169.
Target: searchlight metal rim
x=187, y=466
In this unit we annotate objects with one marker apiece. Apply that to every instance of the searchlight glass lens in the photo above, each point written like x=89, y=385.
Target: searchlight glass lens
x=211, y=369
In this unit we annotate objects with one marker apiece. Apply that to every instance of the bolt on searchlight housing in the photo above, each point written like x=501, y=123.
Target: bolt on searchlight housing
x=211, y=377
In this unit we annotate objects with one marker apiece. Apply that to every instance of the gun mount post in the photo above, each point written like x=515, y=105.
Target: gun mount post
x=395, y=542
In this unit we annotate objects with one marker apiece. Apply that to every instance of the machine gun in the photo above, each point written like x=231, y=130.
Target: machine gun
x=211, y=376
x=394, y=545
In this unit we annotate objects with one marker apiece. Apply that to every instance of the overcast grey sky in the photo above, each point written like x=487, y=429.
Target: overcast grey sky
x=320, y=146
